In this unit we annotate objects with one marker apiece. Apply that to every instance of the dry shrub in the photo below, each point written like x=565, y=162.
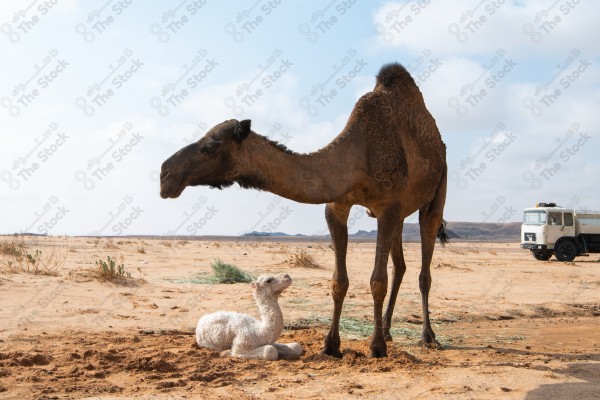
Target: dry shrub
x=110, y=245
x=12, y=247
x=18, y=258
x=301, y=259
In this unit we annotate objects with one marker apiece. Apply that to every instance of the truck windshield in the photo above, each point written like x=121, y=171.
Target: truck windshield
x=534, y=217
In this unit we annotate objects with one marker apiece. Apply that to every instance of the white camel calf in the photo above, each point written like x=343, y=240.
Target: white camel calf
x=240, y=335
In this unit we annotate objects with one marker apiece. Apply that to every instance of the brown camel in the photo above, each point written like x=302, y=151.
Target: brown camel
x=389, y=158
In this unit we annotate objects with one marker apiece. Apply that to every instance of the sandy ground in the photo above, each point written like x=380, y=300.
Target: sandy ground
x=511, y=327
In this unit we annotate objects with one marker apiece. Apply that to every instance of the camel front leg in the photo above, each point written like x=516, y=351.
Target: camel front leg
x=337, y=218
x=267, y=352
x=288, y=349
x=387, y=231
x=397, y=275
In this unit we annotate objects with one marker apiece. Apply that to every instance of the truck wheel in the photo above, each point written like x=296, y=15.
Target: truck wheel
x=542, y=255
x=565, y=250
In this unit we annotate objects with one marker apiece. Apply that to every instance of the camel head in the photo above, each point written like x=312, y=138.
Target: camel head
x=209, y=161
x=271, y=285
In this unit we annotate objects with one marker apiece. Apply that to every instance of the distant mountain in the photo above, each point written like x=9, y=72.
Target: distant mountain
x=255, y=233
x=487, y=231
x=475, y=231
x=470, y=231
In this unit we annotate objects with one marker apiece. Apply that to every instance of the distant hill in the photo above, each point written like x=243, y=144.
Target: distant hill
x=475, y=231
x=255, y=233
x=493, y=232
x=471, y=231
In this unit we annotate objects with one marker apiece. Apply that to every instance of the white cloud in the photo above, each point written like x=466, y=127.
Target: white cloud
x=472, y=27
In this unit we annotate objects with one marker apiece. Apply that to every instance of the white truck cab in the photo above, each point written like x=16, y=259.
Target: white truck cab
x=549, y=229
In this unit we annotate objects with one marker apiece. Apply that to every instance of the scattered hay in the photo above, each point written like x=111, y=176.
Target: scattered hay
x=451, y=266
x=353, y=328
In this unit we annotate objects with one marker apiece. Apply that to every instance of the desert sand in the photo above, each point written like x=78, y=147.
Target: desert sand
x=511, y=326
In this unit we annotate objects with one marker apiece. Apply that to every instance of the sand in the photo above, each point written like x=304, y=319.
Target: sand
x=511, y=326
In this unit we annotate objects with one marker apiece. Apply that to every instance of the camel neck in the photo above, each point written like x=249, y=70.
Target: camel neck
x=271, y=317
x=319, y=177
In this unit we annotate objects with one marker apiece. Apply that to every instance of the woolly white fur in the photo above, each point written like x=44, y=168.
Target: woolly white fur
x=240, y=335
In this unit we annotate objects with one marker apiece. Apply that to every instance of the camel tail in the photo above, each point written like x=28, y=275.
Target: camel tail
x=442, y=235
x=394, y=75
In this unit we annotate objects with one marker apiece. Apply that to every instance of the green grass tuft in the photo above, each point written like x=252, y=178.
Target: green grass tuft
x=110, y=270
x=222, y=273
x=228, y=273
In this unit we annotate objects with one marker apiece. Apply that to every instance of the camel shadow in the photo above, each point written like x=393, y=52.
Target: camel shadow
x=505, y=350
x=587, y=372
x=588, y=389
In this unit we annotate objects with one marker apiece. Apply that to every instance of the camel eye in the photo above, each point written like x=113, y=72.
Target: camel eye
x=207, y=150
x=210, y=147
x=270, y=280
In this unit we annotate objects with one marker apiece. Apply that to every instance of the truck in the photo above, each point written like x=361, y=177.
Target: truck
x=566, y=233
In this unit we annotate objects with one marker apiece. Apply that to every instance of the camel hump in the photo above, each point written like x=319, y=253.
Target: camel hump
x=394, y=74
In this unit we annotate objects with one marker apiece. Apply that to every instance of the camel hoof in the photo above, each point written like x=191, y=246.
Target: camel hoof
x=331, y=346
x=330, y=351
x=378, y=353
x=378, y=348
x=432, y=344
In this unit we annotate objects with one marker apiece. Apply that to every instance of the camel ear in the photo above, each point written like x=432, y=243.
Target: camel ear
x=253, y=284
x=242, y=130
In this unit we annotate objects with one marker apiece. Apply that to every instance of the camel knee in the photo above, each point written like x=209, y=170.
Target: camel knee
x=339, y=288
x=424, y=282
x=379, y=289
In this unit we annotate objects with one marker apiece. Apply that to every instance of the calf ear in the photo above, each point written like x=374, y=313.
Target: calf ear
x=242, y=129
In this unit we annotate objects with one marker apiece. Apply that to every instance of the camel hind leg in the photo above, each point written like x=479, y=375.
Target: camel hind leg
x=387, y=233
x=397, y=275
x=431, y=225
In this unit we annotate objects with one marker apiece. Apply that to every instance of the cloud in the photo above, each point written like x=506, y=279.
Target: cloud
x=468, y=27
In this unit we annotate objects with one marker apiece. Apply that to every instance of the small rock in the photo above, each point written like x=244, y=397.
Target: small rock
x=505, y=389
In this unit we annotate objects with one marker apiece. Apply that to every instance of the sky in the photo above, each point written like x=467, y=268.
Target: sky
x=95, y=95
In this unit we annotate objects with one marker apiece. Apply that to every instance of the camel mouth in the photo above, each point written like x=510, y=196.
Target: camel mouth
x=168, y=191
x=286, y=283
